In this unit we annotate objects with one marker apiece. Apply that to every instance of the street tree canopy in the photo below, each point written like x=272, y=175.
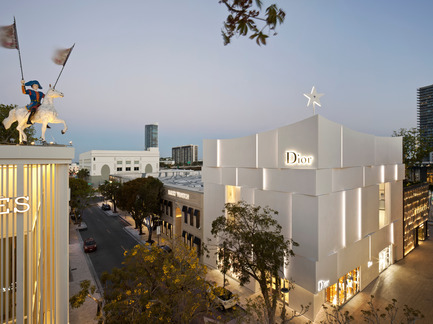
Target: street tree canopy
x=81, y=193
x=110, y=190
x=11, y=134
x=251, y=243
x=416, y=146
x=249, y=18
x=141, y=198
x=155, y=286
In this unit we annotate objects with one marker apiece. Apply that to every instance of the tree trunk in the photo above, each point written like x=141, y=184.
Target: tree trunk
x=269, y=309
x=114, y=206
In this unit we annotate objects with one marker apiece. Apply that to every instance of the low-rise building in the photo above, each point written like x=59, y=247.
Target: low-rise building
x=133, y=164
x=338, y=193
x=182, y=207
x=415, y=215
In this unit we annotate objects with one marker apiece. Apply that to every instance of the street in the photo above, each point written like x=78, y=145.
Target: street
x=111, y=239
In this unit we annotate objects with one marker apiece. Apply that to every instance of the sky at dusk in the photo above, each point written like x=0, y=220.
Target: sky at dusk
x=140, y=62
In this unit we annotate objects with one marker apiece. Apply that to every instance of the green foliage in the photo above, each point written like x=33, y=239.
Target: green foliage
x=244, y=17
x=81, y=193
x=110, y=190
x=83, y=174
x=86, y=291
x=154, y=286
x=11, y=134
x=141, y=198
x=252, y=246
x=416, y=146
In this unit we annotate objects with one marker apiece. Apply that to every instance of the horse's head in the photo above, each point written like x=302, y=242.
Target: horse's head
x=53, y=93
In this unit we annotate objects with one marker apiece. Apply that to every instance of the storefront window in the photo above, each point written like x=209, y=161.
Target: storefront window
x=385, y=258
x=346, y=287
x=284, y=283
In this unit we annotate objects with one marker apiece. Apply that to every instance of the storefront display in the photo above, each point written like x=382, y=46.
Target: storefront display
x=346, y=287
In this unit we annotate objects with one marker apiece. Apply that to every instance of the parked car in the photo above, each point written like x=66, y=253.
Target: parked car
x=105, y=207
x=74, y=217
x=165, y=248
x=89, y=245
x=224, y=298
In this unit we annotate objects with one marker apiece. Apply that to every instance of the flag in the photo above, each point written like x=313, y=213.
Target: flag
x=61, y=55
x=8, y=36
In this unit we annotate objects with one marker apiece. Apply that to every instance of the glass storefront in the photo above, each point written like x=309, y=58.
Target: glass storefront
x=385, y=258
x=346, y=287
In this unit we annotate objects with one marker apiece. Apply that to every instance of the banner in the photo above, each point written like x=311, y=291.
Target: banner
x=8, y=37
x=61, y=56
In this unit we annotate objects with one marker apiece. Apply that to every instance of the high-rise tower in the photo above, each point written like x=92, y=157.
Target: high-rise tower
x=150, y=136
x=425, y=112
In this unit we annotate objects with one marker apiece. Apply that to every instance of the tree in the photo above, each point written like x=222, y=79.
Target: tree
x=251, y=239
x=81, y=193
x=110, y=190
x=155, y=286
x=244, y=17
x=11, y=134
x=416, y=146
x=87, y=291
x=141, y=198
x=83, y=174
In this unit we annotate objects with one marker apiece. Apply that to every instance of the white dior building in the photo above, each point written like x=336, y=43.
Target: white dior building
x=127, y=164
x=34, y=231
x=338, y=193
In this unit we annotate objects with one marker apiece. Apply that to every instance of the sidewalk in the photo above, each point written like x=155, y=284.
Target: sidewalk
x=79, y=271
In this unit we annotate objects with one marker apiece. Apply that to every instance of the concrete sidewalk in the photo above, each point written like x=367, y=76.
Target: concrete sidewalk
x=79, y=271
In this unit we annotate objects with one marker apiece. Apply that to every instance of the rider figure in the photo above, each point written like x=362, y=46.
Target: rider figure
x=35, y=97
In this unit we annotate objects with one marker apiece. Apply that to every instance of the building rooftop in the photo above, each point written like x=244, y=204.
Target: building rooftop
x=182, y=179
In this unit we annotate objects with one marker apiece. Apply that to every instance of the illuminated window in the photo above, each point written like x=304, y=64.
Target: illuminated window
x=385, y=258
x=382, y=211
x=346, y=287
x=232, y=194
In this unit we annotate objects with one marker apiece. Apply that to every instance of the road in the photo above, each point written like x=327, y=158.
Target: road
x=111, y=239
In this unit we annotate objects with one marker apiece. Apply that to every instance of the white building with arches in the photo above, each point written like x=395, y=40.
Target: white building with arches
x=338, y=193
x=135, y=164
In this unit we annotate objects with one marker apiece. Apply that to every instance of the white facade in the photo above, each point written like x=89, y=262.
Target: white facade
x=338, y=193
x=102, y=164
x=34, y=234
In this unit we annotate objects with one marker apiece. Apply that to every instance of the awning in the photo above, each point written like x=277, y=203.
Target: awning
x=189, y=237
x=197, y=212
x=183, y=234
x=190, y=211
x=184, y=209
x=169, y=226
x=197, y=241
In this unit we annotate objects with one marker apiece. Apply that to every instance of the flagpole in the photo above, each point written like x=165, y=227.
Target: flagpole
x=18, y=48
x=66, y=60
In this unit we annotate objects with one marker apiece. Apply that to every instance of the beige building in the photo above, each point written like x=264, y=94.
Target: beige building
x=182, y=208
x=34, y=250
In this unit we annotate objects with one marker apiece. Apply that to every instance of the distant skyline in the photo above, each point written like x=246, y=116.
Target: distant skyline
x=137, y=62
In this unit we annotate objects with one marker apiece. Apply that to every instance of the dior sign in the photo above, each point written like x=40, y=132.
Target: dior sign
x=294, y=158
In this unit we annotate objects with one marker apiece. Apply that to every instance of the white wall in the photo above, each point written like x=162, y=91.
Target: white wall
x=330, y=207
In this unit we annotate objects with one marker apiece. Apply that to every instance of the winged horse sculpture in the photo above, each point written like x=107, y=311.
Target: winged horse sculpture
x=44, y=115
